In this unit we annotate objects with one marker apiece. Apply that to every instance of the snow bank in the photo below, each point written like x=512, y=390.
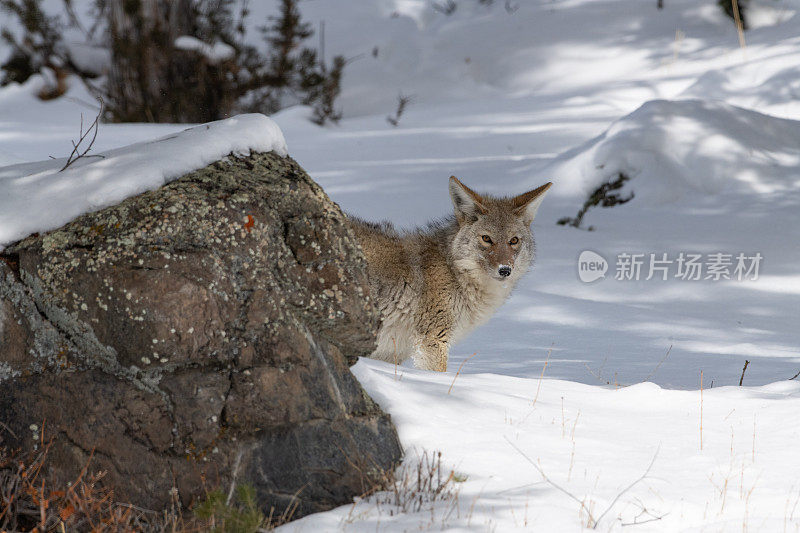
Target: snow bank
x=36, y=197
x=673, y=148
x=734, y=471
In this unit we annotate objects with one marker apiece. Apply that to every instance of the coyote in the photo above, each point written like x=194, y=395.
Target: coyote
x=435, y=284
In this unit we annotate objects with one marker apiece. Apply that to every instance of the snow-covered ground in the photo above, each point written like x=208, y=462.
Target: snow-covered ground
x=574, y=92
x=737, y=473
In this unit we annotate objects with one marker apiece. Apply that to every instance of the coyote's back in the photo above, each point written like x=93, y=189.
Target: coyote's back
x=434, y=285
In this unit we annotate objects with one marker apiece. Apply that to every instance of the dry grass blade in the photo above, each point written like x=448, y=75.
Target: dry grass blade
x=737, y=18
x=659, y=364
x=541, y=377
x=459, y=371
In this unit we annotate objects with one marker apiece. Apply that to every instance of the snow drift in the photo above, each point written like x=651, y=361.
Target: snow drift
x=673, y=148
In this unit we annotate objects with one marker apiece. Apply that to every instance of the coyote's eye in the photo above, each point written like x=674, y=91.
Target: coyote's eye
x=486, y=238
x=513, y=241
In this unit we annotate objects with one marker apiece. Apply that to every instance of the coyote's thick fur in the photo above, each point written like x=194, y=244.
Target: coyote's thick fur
x=435, y=284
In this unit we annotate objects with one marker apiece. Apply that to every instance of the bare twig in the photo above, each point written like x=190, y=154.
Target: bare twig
x=629, y=487
x=8, y=429
x=795, y=376
x=551, y=482
x=83, y=135
x=74, y=20
x=741, y=379
x=635, y=523
x=594, y=522
x=644, y=512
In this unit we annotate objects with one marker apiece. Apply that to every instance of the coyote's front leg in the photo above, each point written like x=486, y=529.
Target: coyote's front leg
x=432, y=355
x=434, y=321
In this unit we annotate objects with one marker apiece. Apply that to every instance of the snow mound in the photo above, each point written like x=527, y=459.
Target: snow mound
x=37, y=197
x=673, y=148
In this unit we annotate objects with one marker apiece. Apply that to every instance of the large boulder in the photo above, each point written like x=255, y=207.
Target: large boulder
x=197, y=335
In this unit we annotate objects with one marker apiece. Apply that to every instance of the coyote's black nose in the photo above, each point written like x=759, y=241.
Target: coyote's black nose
x=504, y=271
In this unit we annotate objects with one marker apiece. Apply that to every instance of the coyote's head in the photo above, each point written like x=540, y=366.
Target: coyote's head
x=494, y=236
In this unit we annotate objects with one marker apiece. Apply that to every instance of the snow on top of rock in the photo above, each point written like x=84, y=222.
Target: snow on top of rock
x=215, y=53
x=36, y=197
x=671, y=148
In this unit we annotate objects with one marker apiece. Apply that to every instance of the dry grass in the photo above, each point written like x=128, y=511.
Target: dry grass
x=585, y=507
x=539, y=387
x=31, y=502
x=701, y=410
x=739, y=24
x=459, y=372
x=418, y=486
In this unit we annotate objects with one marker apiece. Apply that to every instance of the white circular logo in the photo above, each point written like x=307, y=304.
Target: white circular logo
x=591, y=266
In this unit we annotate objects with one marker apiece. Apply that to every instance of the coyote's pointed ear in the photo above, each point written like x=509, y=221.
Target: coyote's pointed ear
x=467, y=203
x=526, y=204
